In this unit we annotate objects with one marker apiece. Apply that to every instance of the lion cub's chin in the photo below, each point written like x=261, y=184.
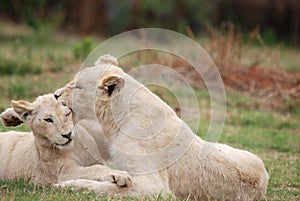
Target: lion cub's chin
x=67, y=145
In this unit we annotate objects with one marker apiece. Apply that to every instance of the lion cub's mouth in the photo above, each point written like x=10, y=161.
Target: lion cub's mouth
x=64, y=144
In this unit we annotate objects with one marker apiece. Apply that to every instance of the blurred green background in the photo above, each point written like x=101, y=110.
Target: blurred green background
x=279, y=20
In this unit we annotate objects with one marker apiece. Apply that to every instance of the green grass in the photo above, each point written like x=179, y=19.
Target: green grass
x=46, y=60
x=21, y=189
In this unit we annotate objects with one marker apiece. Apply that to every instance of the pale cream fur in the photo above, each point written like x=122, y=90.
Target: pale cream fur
x=45, y=155
x=189, y=168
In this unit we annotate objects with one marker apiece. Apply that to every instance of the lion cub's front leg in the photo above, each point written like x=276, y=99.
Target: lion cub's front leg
x=98, y=173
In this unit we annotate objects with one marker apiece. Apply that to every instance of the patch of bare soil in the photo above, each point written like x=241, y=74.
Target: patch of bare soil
x=273, y=85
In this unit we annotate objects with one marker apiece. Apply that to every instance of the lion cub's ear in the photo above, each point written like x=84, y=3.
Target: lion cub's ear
x=10, y=118
x=23, y=109
x=107, y=59
x=109, y=87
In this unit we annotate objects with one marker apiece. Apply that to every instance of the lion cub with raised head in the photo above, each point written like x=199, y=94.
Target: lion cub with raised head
x=52, y=152
x=147, y=137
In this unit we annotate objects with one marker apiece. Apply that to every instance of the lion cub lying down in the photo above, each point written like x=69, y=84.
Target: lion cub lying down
x=52, y=152
x=151, y=142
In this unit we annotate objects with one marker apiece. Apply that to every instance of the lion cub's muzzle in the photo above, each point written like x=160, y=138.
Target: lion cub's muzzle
x=68, y=136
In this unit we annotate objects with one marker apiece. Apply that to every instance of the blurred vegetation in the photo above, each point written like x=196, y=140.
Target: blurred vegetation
x=278, y=20
x=33, y=12
x=170, y=14
x=82, y=49
x=10, y=67
x=269, y=37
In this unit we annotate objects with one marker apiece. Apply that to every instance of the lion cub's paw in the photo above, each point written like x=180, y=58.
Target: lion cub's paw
x=121, y=178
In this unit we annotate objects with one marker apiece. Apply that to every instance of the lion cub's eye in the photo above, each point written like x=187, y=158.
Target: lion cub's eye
x=49, y=120
x=68, y=114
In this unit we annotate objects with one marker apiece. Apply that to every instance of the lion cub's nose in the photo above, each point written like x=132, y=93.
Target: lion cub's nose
x=68, y=136
x=56, y=96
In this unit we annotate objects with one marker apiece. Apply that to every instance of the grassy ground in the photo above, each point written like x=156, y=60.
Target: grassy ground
x=51, y=59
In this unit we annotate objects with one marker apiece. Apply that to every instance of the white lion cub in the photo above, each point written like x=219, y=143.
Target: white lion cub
x=52, y=152
x=151, y=142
